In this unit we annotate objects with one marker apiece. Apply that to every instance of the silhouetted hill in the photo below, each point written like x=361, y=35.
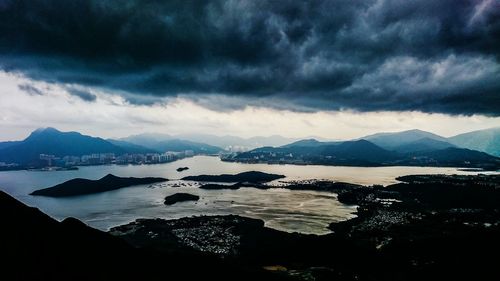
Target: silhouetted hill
x=227, y=141
x=79, y=186
x=421, y=145
x=483, y=140
x=308, y=143
x=423, y=152
x=182, y=145
x=358, y=150
x=148, y=140
x=5, y=144
x=131, y=147
x=54, y=142
x=252, y=176
x=161, y=142
x=461, y=157
x=180, y=197
x=392, y=140
x=37, y=247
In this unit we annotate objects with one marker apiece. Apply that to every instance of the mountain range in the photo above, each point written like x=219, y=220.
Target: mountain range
x=413, y=147
x=227, y=142
x=484, y=140
x=406, y=141
x=160, y=142
x=54, y=142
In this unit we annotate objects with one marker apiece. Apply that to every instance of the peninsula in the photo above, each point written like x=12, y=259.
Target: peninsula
x=80, y=186
x=251, y=176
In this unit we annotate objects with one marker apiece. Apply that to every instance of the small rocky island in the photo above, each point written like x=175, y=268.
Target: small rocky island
x=181, y=169
x=248, y=177
x=80, y=186
x=180, y=197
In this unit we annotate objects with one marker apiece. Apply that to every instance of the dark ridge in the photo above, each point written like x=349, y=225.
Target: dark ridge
x=80, y=186
x=252, y=176
x=37, y=247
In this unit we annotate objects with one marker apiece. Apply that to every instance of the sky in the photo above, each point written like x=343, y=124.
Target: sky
x=333, y=69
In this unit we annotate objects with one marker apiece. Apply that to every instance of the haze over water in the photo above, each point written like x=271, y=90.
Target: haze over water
x=301, y=211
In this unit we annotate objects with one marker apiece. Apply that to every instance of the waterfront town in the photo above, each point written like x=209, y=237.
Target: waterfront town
x=52, y=162
x=111, y=158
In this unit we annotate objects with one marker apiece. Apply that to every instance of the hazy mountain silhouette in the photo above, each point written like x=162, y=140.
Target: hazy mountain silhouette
x=308, y=143
x=131, y=147
x=421, y=145
x=227, y=141
x=54, y=142
x=163, y=142
x=182, y=145
x=421, y=152
x=483, y=140
x=393, y=140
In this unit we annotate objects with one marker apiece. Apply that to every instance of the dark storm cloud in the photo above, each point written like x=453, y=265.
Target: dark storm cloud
x=431, y=56
x=84, y=95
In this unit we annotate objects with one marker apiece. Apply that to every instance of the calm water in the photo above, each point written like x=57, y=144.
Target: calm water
x=302, y=211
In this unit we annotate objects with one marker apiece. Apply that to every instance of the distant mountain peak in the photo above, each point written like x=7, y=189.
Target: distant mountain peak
x=46, y=130
x=396, y=139
x=109, y=176
x=487, y=140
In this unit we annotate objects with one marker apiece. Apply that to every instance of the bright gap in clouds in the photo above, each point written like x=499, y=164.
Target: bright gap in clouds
x=26, y=105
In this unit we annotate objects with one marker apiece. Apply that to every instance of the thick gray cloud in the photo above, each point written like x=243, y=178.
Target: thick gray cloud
x=84, y=95
x=431, y=56
x=30, y=89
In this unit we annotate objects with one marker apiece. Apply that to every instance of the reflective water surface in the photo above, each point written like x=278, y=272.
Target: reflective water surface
x=301, y=211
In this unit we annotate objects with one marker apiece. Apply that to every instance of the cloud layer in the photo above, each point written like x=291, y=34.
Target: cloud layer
x=111, y=116
x=390, y=55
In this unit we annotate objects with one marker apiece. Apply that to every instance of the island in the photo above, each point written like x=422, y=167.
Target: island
x=249, y=177
x=181, y=169
x=180, y=197
x=81, y=186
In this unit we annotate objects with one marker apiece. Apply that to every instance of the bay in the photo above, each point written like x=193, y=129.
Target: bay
x=300, y=211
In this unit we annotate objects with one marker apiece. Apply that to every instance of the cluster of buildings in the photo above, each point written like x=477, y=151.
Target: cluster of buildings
x=8, y=165
x=111, y=158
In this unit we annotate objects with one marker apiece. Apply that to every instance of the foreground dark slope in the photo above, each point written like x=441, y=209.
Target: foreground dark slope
x=37, y=247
